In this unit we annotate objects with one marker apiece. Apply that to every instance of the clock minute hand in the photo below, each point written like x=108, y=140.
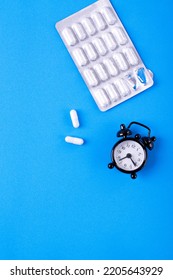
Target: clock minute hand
x=133, y=161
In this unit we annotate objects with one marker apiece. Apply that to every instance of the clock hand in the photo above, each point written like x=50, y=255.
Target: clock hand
x=122, y=158
x=133, y=161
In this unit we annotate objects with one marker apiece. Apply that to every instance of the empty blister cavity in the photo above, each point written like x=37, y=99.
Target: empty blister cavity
x=69, y=36
x=111, y=67
x=109, y=15
x=120, y=36
x=101, y=72
x=89, y=26
x=120, y=61
x=132, y=81
x=99, y=21
x=141, y=75
x=110, y=41
x=79, y=31
x=102, y=98
x=90, y=51
x=131, y=56
x=122, y=87
x=100, y=46
x=112, y=92
x=80, y=57
x=91, y=77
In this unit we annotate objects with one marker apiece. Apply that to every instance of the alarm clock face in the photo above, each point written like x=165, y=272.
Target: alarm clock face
x=129, y=155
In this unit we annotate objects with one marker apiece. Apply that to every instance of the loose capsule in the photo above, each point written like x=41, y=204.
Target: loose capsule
x=110, y=65
x=120, y=35
x=131, y=56
x=79, y=30
x=112, y=92
x=120, y=61
x=122, y=87
x=101, y=72
x=91, y=77
x=89, y=26
x=69, y=36
x=74, y=118
x=109, y=15
x=100, y=46
x=90, y=51
x=102, y=98
x=80, y=57
x=110, y=41
x=74, y=140
x=99, y=21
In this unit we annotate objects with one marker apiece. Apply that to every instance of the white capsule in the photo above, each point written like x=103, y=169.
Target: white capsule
x=122, y=87
x=79, y=30
x=89, y=26
x=102, y=98
x=80, y=57
x=69, y=36
x=111, y=67
x=99, y=21
x=74, y=118
x=131, y=56
x=109, y=15
x=120, y=61
x=74, y=140
x=91, y=77
x=120, y=35
x=112, y=92
x=101, y=72
x=100, y=46
x=110, y=41
x=90, y=51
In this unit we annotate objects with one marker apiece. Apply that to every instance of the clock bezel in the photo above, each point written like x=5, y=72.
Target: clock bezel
x=124, y=140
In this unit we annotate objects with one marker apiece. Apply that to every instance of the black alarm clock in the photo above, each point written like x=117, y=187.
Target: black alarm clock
x=129, y=155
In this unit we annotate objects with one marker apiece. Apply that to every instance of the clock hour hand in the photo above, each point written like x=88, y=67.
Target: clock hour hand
x=127, y=156
x=130, y=157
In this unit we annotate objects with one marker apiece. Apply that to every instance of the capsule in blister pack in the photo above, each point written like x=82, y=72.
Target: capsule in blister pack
x=104, y=54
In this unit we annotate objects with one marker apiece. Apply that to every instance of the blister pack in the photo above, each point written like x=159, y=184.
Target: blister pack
x=104, y=54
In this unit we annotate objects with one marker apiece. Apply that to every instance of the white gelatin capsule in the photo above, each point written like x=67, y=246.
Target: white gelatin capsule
x=101, y=72
x=120, y=61
x=74, y=118
x=131, y=56
x=90, y=51
x=74, y=140
x=122, y=87
x=89, y=26
x=79, y=30
x=100, y=46
x=99, y=21
x=110, y=41
x=111, y=67
x=69, y=36
x=112, y=92
x=80, y=57
x=109, y=15
x=91, y=77
x=120, y=35
x=102, y=98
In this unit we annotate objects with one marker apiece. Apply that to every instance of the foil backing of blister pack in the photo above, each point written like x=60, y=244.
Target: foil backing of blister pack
x=104, y=54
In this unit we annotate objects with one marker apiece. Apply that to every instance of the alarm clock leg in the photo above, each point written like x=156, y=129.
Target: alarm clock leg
x=111, y=165
x=133, y=175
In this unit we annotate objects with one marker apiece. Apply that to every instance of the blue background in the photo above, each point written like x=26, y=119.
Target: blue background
x=60, y=201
